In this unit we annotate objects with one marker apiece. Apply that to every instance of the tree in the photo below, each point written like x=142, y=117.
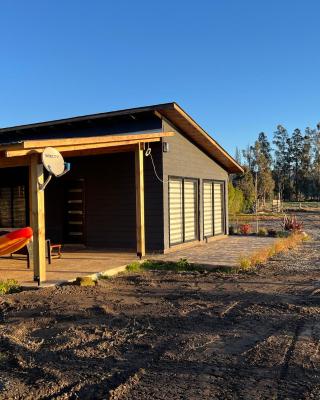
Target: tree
x=265, y=147
x=237, y=156
x=248, y=156
x=246, y=185
x=235, y=199
x=262, y=161
x=282, y=163
x=316, y=161
x=306, y=163
x=296, y=150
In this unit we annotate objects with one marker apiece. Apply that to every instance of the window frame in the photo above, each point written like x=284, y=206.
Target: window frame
x=197, y=209
x=223, y=206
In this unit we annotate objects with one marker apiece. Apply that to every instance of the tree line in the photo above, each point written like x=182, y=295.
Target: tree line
x=287, y=167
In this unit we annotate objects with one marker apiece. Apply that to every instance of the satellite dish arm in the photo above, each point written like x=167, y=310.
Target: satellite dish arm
x=42, y=186
x=67, y=167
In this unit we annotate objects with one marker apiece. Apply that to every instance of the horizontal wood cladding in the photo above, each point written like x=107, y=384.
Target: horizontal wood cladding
x=109, y=184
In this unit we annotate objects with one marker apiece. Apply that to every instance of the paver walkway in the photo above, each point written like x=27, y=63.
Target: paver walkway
x=220, y=253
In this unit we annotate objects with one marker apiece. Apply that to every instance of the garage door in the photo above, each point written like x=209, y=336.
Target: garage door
x=207, y=209
x=175, y=211
x=218, y=209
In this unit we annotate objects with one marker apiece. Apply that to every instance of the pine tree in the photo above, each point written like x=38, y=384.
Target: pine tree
x=296, y=150
x=262, y=161
x=306, y=163
x=265, y=147
x=316, y=162
x=282, y=163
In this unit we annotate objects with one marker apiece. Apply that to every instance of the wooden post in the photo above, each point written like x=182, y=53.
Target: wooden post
x=139, y=178
x=37, y=219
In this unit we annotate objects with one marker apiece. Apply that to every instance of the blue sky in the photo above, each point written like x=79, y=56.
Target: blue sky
x=238, y=67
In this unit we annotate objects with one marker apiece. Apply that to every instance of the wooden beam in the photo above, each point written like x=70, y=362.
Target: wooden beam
x=62, y=149
x=16, y=162
x=33, y=144
x=94, y=152
x=37, y=218
x=139, y=180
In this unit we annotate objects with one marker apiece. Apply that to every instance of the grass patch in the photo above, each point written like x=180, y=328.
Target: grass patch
x=9, y=286
x=178, y=266
x=282, y=245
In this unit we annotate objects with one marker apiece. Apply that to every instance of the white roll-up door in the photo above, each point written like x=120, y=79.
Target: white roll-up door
x=218, y=211
x=175, y=211
x=207, y=209
x=190, y=210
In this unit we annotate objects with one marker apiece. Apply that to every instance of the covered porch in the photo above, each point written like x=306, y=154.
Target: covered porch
x=74, y=263
x=27, y=154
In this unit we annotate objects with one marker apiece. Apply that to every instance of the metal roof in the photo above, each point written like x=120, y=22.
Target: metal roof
x=171, y=111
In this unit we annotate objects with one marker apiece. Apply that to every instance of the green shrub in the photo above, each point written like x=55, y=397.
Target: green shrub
x=232, y=231
x=262, y=232
x=134, y=266
x=235, y=199
x=9, y=286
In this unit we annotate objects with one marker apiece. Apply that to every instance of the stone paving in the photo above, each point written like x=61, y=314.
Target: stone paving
x=220, y=253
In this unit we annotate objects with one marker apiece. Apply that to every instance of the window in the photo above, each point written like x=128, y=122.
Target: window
x=183, y=210
x=213, y=208
x=13, y=207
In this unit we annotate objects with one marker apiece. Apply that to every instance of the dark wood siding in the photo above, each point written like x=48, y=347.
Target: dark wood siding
x=185, y=159
x=109, y=183
x=14, y=197
x=109, y=200
x=154, y=200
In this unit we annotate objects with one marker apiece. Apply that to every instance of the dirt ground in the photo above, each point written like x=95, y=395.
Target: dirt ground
x=170, y=336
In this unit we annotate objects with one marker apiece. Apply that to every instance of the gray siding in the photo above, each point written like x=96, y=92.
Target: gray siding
x=187, y=160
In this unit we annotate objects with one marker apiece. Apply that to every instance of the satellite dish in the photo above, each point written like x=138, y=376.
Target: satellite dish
x=54, y=163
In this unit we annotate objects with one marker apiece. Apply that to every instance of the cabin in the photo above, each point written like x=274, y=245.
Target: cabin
x=149, y=179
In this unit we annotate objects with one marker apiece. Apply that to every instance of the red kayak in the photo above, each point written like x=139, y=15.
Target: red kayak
x=15, y=240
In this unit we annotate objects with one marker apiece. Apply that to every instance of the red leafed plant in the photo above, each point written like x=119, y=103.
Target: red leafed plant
x=245, y=229
x=290, y=223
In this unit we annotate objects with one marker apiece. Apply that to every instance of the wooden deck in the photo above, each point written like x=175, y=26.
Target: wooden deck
x=73, y=263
